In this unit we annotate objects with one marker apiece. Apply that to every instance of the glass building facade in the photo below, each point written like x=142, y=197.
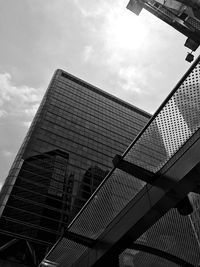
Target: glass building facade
x=67, y=152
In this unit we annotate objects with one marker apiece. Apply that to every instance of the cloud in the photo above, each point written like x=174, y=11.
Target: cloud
x=2, y=112
x=130, y=76
x=92, y=9
x=17, y=100
x=7, y=153
x=94, y=40
x=133, y=51
x=18, y=104
x=27, y=124
x=88, y=53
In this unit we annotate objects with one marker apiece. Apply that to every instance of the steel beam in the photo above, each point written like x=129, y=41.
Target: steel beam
x=85, y=241
x=136, y=171
x=8, y=244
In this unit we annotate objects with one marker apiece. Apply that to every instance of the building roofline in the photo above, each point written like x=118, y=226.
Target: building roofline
x=60, y=72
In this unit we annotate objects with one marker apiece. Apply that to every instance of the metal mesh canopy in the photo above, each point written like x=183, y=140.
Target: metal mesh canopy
x=175, y=235
x=114, y=195
x=176, y=121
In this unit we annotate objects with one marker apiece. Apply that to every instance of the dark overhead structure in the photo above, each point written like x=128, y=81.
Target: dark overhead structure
x=183, y=15
x=146, y=212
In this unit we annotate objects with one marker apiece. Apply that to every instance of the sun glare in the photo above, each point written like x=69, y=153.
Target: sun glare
x=126, y=30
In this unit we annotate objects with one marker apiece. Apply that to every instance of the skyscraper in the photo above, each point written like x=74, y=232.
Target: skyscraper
x=67, y=152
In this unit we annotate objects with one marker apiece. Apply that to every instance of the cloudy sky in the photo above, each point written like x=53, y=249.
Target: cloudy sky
x=139, y=59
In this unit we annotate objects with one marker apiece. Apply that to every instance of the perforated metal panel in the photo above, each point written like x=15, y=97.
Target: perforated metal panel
x=107, y=203
x=175, y=235
x=171, y=128
x=63, y=259
x=114, y=195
